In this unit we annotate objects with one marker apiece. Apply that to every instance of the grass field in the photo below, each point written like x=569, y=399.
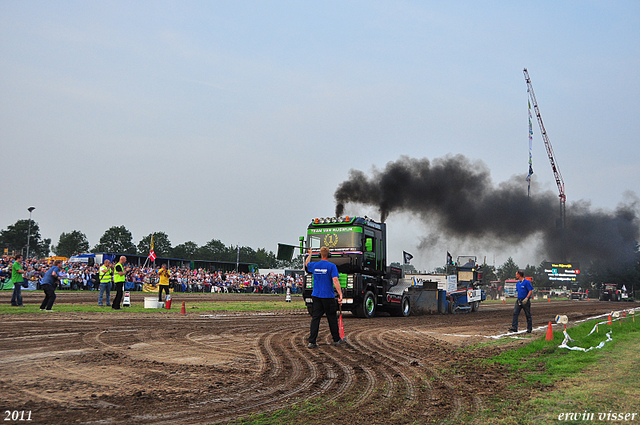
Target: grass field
x=553, y=383
x=191, y=306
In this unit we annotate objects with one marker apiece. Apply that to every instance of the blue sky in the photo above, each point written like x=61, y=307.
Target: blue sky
x=238, y=120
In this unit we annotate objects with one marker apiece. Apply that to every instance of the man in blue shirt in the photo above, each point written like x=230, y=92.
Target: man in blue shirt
x=48, y=285
x=524, y=290
x=325, y=278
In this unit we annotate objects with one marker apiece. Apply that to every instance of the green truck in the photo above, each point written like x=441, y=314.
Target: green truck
x=358, y=247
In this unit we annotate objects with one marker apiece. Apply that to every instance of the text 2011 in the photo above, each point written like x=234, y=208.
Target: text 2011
x=17, y=415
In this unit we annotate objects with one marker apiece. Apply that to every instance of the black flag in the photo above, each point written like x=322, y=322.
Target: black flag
x=407, y=257
x=449, y=258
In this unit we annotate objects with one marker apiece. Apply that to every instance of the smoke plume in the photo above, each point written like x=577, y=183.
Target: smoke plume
x=456, y=197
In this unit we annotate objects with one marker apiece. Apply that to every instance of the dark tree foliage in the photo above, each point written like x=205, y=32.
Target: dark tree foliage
x=116, y=239
x=295, y=263
x=214, y=250
x=488, y=274
x=187, y=250
x=508, y=270
x=14, y=239
x=71, y=243
x=161, y=245
x=599, y=273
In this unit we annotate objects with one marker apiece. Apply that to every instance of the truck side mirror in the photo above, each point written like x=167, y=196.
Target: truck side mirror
x=368, y=245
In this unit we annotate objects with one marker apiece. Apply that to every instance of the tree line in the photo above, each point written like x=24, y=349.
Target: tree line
x=118, y=239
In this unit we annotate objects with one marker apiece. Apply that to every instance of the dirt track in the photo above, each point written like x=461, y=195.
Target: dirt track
x=164, y=368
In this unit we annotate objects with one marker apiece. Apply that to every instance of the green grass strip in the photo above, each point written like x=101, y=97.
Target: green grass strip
x=544, y=362
x=600, y=381
x=138, y=307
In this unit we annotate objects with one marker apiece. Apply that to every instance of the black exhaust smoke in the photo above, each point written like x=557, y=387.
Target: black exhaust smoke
x=456, y=197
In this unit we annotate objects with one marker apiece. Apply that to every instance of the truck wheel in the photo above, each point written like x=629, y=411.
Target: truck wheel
x=475, y=305
x=404, y=310
x=451, y=307
x=406, y=307
x=368, y=307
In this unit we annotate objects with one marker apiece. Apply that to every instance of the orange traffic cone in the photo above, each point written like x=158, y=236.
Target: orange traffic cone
x=609, y=322
x=549, y=336
x=549, y=299
x=183, y=311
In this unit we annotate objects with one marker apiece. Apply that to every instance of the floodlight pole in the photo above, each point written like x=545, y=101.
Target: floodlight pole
x=30, y=209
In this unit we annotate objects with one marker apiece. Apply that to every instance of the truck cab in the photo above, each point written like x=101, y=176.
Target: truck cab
x=466, y=295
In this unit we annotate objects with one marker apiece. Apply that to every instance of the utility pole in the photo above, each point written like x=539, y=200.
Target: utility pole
x=30, y=209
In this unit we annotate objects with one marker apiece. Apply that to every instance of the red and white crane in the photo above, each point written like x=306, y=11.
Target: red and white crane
x=547, y=145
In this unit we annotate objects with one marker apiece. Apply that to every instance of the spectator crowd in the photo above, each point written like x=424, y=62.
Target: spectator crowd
x=84, y=276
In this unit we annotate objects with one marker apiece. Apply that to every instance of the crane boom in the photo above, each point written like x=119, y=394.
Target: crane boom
x=547, y=145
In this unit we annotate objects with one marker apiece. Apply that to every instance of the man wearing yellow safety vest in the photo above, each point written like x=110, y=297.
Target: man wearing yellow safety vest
x=163, y=284
x=119, y=276
x=105, y=274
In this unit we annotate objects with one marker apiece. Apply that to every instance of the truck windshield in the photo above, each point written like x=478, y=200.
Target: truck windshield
x=466, y=261
x=341, y=238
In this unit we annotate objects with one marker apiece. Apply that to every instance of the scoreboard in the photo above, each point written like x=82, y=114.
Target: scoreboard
x=561, y=272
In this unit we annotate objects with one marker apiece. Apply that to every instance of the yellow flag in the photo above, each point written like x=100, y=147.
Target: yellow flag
x=151, y=242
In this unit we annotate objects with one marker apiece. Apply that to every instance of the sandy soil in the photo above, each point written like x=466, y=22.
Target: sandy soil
x=165, y=368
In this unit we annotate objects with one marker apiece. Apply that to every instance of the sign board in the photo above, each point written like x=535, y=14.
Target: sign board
x=561, y=272
x=474, y=295
x=419, y=278
x=452, y=283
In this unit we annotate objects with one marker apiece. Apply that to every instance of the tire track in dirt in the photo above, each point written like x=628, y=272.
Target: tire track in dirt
x=393, y=341
x=391, y=361
x=477, y=401
x=347, y=377
x=222, y=346
x=452, y=395
x=363, y=350
x=251, y=389
x=277, y=397
x=370, y=375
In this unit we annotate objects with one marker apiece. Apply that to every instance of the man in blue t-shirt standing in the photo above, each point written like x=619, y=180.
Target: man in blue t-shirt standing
x=48, y=285
x=325, y=278
x=524, y=289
